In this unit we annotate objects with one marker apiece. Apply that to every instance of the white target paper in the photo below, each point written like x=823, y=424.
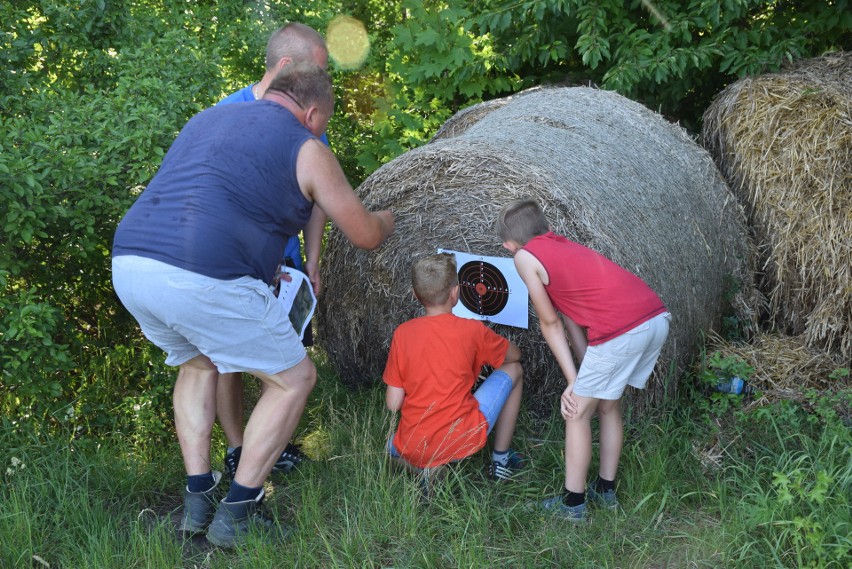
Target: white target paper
x=490, y=289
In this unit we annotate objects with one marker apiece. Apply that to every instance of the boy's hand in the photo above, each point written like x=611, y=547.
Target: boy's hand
x=567, y=403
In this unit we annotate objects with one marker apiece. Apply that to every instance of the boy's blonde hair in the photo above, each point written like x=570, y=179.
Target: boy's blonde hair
x=520, y=221
x=433, y=277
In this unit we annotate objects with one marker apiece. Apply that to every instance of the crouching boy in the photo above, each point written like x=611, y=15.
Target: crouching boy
x=617, y=326
x=433, y=363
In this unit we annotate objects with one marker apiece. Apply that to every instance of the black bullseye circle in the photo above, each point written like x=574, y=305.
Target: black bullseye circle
x=483, y=288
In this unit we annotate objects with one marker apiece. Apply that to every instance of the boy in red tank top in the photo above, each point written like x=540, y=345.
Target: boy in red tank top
x=616, y=325
x=433, y=363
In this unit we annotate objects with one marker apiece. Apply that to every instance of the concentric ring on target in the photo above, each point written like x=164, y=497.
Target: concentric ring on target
x=483, y=288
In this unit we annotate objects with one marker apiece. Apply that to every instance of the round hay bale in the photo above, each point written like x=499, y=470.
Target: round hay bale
x=462, y=120
x=783, y=141
x=608, y=172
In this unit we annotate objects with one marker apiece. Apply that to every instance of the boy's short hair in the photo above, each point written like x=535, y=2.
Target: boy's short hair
x=433, y=277
x=520, y=221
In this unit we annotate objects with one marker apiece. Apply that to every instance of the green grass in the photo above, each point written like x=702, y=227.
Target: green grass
x=699, y=487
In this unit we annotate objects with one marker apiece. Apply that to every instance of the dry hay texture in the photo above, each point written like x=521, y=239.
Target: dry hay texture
x=784, y=144
x=610, y=174
x=785, y=367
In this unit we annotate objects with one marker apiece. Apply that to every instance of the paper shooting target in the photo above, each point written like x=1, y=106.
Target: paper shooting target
x=490, y=289
x=483, y=288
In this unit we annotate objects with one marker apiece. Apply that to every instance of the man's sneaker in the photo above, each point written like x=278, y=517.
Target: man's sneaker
x=199, y=507
x=504, y=472
x=234, y=521
x=556, y=507
x=606, y=499
x=291, y=458
x=232, y=461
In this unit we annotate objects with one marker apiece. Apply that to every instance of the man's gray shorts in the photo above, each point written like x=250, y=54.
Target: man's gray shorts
x=628, y=359
x=238, y=324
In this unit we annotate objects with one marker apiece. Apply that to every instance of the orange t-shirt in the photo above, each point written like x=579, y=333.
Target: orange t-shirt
x=435, y=360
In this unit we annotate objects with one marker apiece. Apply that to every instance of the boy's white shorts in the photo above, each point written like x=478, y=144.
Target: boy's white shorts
x=628, y=359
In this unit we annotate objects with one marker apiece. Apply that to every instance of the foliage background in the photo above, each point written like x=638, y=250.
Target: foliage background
x=94, y=91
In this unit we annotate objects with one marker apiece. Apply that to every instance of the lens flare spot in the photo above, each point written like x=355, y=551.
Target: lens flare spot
x=348, y=42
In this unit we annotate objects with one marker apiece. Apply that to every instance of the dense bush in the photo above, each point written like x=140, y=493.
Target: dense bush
x=75, y=153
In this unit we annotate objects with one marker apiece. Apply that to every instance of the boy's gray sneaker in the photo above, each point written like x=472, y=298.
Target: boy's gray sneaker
x=199, y=507
x=556, y=507
x=606, y=499
x=505, y=472
x=234, y=520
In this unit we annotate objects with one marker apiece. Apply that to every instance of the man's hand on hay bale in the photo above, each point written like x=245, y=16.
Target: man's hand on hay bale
x=322, y=181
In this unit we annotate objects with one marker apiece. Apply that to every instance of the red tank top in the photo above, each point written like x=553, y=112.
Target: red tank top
x=594, y=292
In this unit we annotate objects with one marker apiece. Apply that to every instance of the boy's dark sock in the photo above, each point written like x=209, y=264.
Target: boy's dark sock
x=200, y=482
x=240, y=493
x=572, y=499
x=603, y=485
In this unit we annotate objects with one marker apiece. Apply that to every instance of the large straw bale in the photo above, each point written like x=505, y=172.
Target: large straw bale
x=465, y=118
x=610, y=174
x=783, y=141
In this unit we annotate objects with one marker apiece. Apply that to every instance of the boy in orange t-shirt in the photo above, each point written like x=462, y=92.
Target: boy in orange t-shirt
x=433, y=363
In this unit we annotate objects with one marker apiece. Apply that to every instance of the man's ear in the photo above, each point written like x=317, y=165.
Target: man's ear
x=311, y=115
x=284, y=62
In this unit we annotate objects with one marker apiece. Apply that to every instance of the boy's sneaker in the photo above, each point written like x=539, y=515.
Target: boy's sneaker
x=234, y=520
x=556, y=507
x=505, y=472
x=606, y=499
x=232, y=461
x=199, y=507
x=288, y=461
x=291, y=458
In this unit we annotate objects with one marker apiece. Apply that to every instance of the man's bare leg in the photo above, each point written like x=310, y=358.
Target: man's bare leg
x=194, y=401
x=274, y=420
x=229, y=407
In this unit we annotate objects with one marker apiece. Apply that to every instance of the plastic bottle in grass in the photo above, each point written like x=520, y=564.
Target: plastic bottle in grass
x=734, y=385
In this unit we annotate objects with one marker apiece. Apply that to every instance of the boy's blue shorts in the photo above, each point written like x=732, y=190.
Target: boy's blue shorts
x=492, y=395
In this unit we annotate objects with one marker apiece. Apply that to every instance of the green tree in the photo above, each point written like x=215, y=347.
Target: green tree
x=670, y=55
